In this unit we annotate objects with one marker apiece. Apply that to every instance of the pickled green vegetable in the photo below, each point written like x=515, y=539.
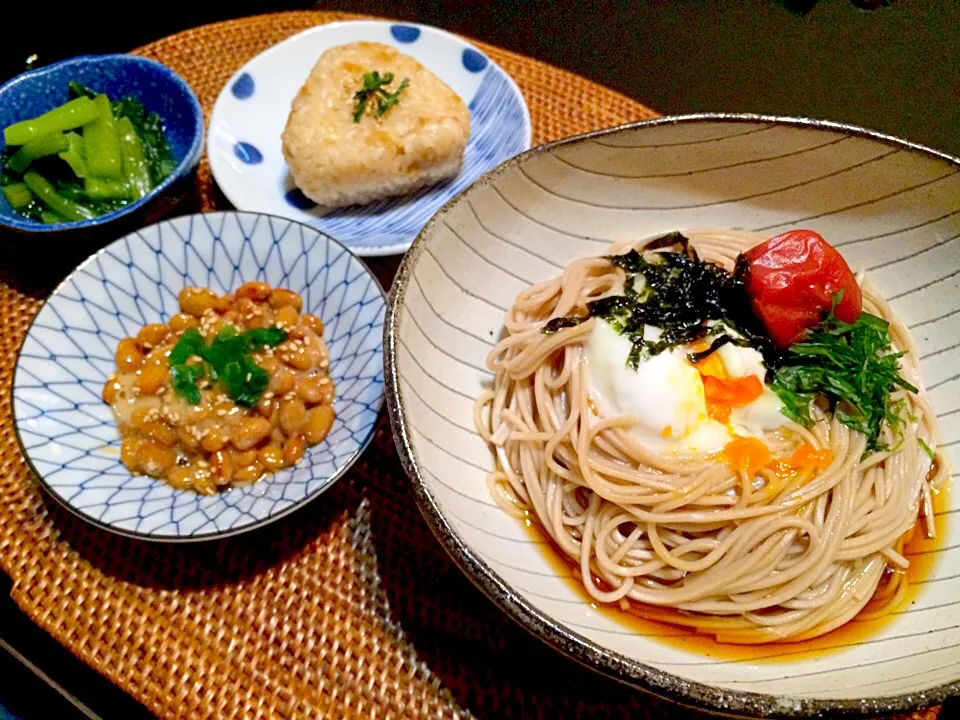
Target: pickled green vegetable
x=66, y=117
x=136, y=171
x=86, y=158
x=46, y=193
x=48, y=217
x=101, y=189
x=18, y=195
x=41, y=147
x=102, y=143
x=74, y=155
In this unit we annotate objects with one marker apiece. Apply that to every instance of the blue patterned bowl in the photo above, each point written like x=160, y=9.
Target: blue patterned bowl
x=68, y=433
x=251, y=112
x=158, y=87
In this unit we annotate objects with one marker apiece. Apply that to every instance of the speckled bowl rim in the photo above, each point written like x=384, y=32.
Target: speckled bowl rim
x=190, y=160
x=213, y=534
x=617, y=666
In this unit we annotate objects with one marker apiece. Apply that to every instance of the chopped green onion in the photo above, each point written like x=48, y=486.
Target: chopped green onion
x=189, y=344
x=229, y=362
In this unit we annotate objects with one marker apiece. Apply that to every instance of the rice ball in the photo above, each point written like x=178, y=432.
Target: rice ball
x=337, y=161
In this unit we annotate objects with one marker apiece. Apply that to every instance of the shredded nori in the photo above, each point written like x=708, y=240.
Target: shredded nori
x=561, y=323
x=681, y=295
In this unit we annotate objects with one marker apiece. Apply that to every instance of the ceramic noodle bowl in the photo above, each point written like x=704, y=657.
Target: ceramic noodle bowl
x=891, y=208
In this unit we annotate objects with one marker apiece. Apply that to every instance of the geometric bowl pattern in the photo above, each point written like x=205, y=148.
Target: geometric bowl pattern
x=68, y=433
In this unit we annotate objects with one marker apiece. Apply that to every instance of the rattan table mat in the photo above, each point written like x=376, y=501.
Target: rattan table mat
x=347, y=608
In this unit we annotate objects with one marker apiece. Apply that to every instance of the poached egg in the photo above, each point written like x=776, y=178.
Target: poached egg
x=668, y=396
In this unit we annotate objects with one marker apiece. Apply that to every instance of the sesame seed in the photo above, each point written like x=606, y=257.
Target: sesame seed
x=221, y=412
x=325, y=381
x=267, y=395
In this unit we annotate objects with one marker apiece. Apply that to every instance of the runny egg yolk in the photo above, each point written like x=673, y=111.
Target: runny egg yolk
x=722, y=392
x=748, y=456
x=717, y=408
x=680, y=407
x=804, y=458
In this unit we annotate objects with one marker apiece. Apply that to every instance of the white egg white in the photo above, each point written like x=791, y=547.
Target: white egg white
x=665, y=393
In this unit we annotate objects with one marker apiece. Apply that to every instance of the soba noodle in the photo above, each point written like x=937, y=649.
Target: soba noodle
x=685, y=539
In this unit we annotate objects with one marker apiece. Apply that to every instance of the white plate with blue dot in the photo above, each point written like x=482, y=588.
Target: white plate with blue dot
x=66, y=430
x=248, y=118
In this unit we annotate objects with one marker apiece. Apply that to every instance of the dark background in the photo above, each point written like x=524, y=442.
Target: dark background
x=895, y=68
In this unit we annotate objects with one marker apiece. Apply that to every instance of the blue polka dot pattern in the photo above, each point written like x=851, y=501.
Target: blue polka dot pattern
x=474, y=61
x=405, y=33
x=243, y=87
x=248, y=153
x=296, y=198
x=67, y=431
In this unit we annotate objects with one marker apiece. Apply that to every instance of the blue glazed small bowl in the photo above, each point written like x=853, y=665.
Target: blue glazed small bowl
x=158, y=87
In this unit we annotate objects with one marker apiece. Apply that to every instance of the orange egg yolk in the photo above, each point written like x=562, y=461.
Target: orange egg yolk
x=721, y=392
x=746, y=455
x=804, y=458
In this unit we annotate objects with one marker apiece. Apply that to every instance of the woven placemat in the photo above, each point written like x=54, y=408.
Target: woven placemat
x=347, y=608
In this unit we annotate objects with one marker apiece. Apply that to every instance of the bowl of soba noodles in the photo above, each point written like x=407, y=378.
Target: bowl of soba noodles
x=681, y=397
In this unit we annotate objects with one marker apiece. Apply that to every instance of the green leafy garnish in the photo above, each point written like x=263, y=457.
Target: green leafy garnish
x=374, y=88
x=927, y=449
x=229, y=362
x=852, y=366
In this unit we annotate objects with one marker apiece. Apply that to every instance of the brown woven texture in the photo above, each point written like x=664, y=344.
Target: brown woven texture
x=347, y=608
